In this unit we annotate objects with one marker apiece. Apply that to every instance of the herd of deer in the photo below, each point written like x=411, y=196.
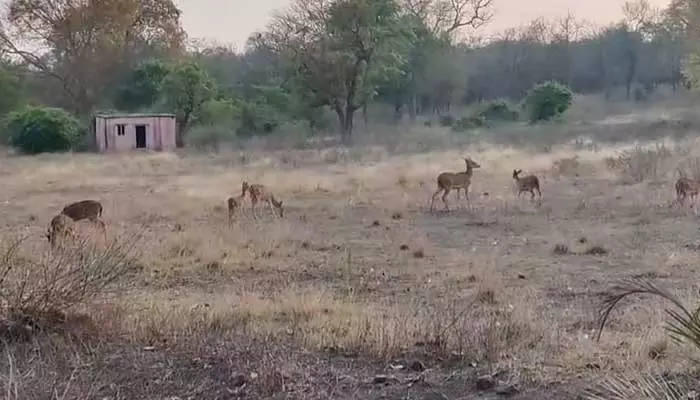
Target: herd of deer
x=447, y=181
x=62, y=224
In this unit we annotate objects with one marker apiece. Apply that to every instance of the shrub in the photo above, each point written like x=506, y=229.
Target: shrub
x=641, y=164
x=220, y=112
x=210, y=137
x=498, y=110
x=468, y=123
x=36, y=130
x=547, y=100
x=447, y=120
x=258, y=118
x=39, y=291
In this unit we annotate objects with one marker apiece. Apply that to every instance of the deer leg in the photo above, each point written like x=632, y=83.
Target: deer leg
x=103, y=227
x=444, y=197
x=253, y=202
x=272, y=207
x=680, y=198
x=435, y=195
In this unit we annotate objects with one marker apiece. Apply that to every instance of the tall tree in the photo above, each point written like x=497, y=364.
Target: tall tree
x=337, y=49
x=86, y=44
x=185, y=90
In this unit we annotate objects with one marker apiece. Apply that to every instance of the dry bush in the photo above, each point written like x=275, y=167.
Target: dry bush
x=566, y=165
x=640, y=164
x=38, y=292
x=689, y=167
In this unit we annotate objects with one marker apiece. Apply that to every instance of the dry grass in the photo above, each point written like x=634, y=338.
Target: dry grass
x=357, y=268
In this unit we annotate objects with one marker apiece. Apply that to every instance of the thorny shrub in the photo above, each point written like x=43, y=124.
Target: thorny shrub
x=640, y=164
x=39, y=291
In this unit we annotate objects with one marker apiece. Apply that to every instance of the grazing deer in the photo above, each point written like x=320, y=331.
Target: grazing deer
x=528, y=183
x=260, y=193
x=447, y=181
x=686, y=187
x=86, y=209
x=234, y=203
x=61, y=226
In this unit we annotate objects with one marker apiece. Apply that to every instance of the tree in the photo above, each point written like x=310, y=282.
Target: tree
x=185, y=90
x=143, y=86
x=684, y=16
x=12, y=88
x=337, y=51
x=86, y=44
x=447, y=17
x=435, y=24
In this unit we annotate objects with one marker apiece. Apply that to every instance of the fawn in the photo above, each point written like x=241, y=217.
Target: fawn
x=234, y=203
x=528, y=183
x=447, y=181
x=686, y=187
x=61, y=226
x=259, y=193
x=86, y=209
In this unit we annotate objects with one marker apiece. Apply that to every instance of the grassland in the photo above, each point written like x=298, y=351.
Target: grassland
x=360, y=292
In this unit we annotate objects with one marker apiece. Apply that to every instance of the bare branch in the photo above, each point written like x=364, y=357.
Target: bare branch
x=449, y=16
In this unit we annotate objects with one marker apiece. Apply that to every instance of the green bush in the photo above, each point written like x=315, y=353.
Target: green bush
x=36, y=130
x=221, y=113
x=468, y=123
x=547, y=100
x=498, y=110
x=447, y=120
x=210, y=137
x=258, y=118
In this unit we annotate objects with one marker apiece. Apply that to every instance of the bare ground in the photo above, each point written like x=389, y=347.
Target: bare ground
x=360, y=291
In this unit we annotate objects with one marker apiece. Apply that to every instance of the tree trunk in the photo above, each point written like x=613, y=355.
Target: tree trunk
x=412, y=108
x=345, y=119
x=398, y=112
x=348, y=124
x=180, y=134
x=365, y=117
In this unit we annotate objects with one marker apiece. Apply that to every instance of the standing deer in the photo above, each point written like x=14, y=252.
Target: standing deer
x=260, y=193
x=528, y=183
x=86, y=209
x=686, y=187
x=234, y=202
x=61, y=226
x=447, y=181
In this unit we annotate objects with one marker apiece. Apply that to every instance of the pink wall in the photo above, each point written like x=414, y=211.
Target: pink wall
x=160, y=132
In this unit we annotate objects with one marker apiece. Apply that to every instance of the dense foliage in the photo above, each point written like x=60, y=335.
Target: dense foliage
x=38, y=130
x=547, y=100
x=321, y=65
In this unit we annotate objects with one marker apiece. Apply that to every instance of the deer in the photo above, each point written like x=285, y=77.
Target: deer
x=61, y=226
x=260, y=193
x=234, y=202
x=528, y=183
x=686, y=187
x=447, y=181
x=86, y=209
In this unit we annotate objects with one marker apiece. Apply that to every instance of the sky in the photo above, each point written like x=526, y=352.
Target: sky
x=232, y=21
